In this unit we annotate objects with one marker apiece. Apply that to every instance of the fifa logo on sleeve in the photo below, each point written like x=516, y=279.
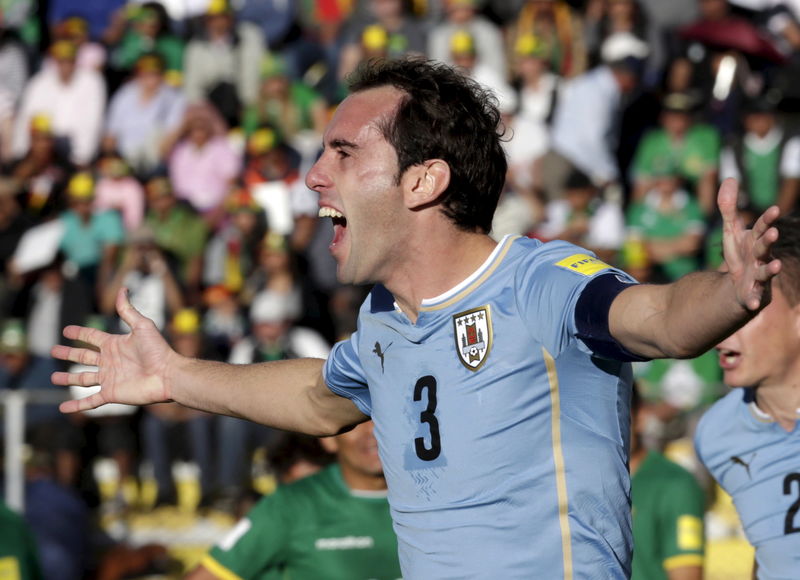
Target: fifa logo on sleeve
x=473, y=336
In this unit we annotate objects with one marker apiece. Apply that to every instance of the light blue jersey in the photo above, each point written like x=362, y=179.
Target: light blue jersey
x=504, y=442
x=758, y=463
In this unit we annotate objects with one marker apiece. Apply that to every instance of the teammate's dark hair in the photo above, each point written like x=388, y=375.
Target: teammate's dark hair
x=787, y=250
x=447, y=116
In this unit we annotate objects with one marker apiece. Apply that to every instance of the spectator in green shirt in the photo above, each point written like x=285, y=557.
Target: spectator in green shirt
x=179, y=232
x=691, y=148
x=668, y=507
x=333, y=525
x=669, y=223
x=146, y=30
x=18, y=554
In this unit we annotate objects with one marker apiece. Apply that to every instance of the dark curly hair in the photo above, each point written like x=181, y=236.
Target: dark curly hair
x=447, y=116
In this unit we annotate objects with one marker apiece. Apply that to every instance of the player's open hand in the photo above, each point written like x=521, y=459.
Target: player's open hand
x=747, y=252
x=131, y=368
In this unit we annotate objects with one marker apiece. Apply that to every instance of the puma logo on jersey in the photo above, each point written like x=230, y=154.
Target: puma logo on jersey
x=380, y=352
x=746, y=464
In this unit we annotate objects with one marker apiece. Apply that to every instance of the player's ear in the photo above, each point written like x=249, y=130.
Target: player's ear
x=422, y=184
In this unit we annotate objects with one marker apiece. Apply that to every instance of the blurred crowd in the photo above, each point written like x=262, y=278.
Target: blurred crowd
x=162, y=146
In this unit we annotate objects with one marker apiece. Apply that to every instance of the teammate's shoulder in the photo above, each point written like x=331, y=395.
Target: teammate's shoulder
x=725, y=407
x=721, y=418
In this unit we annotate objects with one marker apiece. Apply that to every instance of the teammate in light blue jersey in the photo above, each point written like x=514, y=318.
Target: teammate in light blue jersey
x=749, y=440
x=495, y=374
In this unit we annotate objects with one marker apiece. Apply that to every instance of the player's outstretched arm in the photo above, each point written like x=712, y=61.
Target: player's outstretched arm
x=687, y=317
x=140, y=368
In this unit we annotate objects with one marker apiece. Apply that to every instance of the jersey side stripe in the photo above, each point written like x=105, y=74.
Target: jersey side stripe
x=558, y=459
x=218, y=569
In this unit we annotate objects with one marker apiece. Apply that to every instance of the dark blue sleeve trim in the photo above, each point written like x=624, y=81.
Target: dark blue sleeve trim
x=591, y=317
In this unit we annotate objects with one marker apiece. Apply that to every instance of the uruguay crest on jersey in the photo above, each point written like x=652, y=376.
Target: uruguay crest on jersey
x=473, y=336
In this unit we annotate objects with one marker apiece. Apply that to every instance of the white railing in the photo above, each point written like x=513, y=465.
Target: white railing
x=14, y=403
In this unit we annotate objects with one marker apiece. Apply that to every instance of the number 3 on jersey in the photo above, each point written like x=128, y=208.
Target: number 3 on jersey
x=427, y=385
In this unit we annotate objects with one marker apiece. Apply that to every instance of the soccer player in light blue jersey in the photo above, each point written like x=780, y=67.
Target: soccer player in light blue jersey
x=749, y=439
x=496, y=373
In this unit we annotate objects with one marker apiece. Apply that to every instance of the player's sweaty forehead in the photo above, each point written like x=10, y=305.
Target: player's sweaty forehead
x=362, y=118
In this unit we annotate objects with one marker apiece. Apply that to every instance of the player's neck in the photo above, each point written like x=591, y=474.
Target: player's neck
x=781, y=402
x=437, y=264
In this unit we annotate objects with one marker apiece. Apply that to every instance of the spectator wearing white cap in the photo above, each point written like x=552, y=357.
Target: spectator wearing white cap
x=273, y=336
x=585, y=124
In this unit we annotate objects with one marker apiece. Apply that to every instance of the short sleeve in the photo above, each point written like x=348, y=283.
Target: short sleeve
x=790, y=160
x=682, y=514
x=549, y=289
x=344, y=374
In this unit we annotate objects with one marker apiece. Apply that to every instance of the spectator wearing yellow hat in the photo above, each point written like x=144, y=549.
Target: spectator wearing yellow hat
x=180, y=233
x=465, y=16
x=464, y=54
x=537, y=86
x=74, y=99
x=43, y=171
x=75, y=29
x=535, y=91
x=222, y=63
x=290, y=106
x=145, y=115
x=560, y=26
x=273, y=179
x=91, y=238
x=406, y=35
x=171, y=431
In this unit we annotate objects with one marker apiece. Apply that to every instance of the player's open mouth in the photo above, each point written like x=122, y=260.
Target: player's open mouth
x=728, y=359
x=339, y=222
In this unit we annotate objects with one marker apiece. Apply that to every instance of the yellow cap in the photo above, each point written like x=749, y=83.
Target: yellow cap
x=81, y=186
x=462, y=43
x=75, y=25
x=40, y=123
x=63, y=50
x=375, y=37
x=186, y=321
x=275, y=242
x=216, y=7
x=150, y=63
x=530, y=45
x=274, y=66
x=261, y=141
